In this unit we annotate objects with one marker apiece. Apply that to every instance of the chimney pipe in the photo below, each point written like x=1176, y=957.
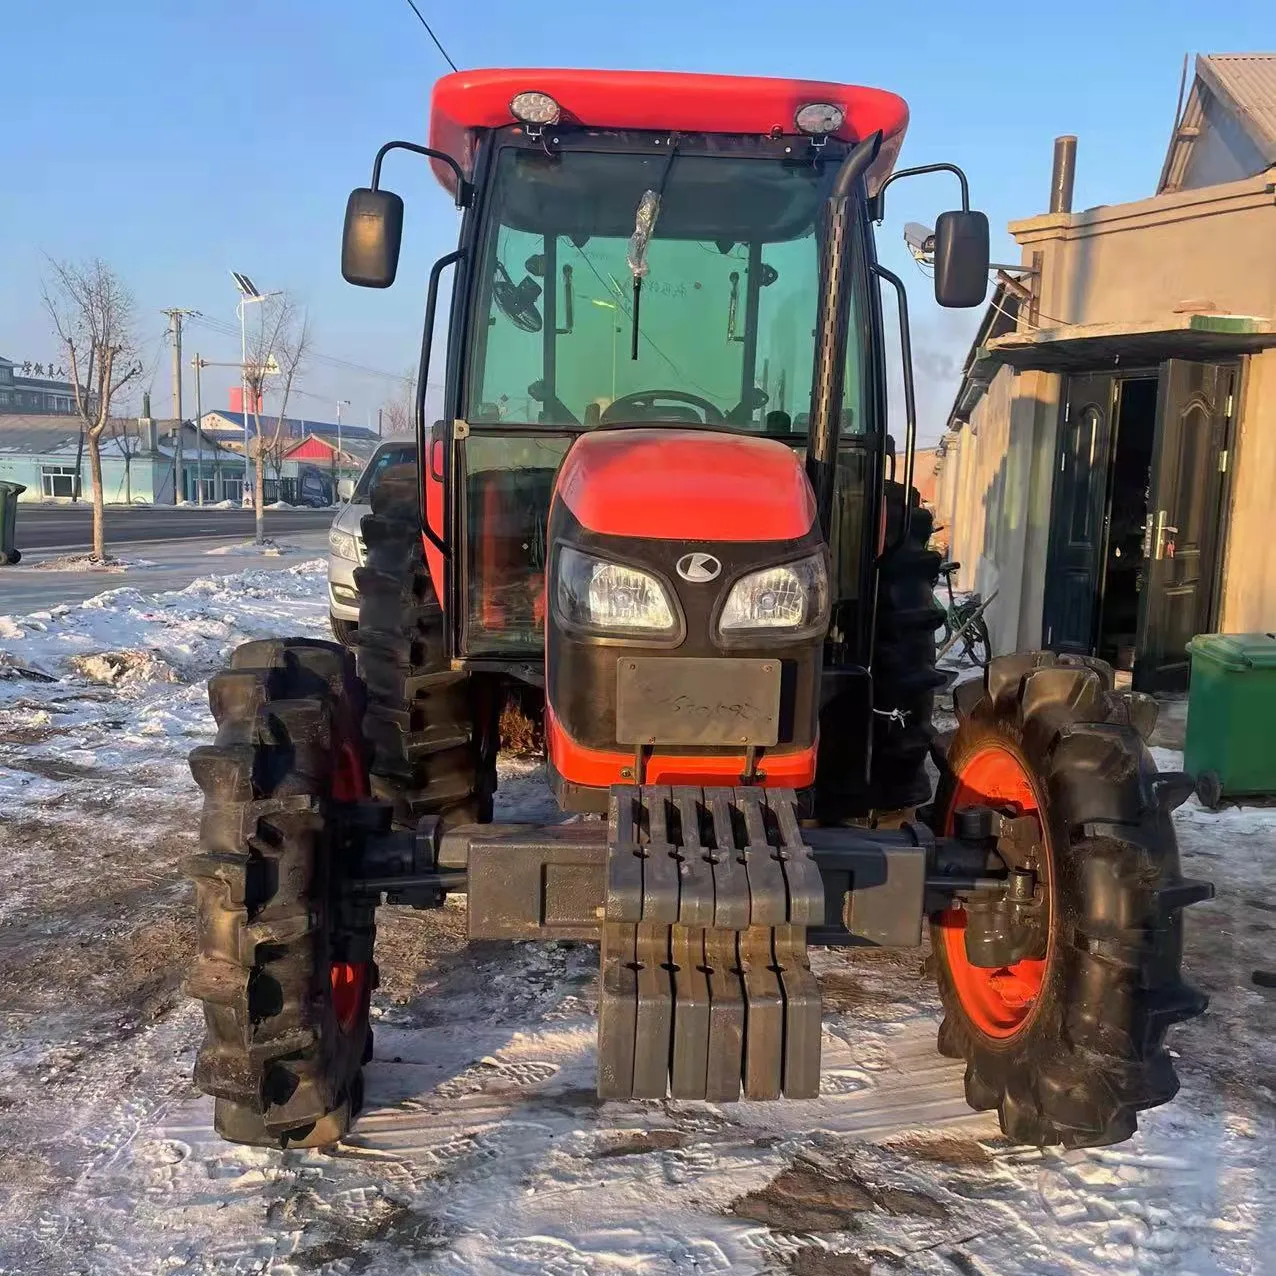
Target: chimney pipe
x=1063, y=173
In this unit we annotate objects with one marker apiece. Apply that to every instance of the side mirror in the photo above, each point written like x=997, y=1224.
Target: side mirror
x=371, y=238
x=345, y=490
x=961, y=259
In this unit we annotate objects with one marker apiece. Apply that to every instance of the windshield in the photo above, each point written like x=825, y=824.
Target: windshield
x=386, y=455
x=726, y=309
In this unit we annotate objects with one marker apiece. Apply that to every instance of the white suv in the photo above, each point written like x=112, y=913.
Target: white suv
x=345, y=539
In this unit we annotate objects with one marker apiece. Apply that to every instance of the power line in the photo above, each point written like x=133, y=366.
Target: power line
x=226, y=329
x=433, y=37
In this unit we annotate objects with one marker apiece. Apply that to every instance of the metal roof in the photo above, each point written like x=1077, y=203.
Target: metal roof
x=295, y=427
x=34, y=435
x=1245, y=86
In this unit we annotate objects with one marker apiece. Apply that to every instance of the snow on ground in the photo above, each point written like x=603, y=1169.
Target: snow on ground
x=483, y=1148
x=250, y=548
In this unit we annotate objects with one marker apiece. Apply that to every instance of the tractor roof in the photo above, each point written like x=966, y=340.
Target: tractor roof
x=468, y=101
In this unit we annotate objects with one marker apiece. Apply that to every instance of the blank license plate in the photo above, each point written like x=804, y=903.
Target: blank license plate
x=698, y=701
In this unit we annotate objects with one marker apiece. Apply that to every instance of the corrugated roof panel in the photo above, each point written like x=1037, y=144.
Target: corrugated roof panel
x=1249, y=80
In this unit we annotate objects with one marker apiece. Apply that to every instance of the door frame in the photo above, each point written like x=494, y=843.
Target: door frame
x=1050, y=598
x=1231, y=440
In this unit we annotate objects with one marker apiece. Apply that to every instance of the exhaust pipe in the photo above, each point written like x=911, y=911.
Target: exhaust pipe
x=1063, y=173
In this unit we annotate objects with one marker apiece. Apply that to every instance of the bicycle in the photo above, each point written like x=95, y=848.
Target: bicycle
x=964, y=622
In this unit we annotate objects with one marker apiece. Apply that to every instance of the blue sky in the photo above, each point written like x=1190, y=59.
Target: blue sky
x=182, y=140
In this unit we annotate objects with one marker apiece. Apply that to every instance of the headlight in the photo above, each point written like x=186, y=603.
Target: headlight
x=342, y=544
x=596, y=594
x=792, y=597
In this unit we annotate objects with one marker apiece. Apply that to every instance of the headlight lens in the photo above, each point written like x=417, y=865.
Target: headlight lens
x=342, y=544
x=793, y=597
x=600, y=595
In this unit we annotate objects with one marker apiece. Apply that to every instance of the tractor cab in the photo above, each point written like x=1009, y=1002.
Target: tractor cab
x=665, y=313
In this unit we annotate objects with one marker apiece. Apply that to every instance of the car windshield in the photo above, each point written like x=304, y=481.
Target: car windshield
x=727, y=307
x=386, y=455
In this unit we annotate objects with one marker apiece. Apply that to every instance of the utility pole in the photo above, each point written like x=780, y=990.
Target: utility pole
x=198, y=364
x=379, y=411
x=175, y=317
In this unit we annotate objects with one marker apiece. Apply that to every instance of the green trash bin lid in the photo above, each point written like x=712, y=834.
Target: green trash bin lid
x=1236, y=651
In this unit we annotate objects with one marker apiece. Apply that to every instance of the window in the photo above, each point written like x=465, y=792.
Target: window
x=386, y=455
x=726, y=311
x=58, y=480
x=5, y=396
x=61, y=403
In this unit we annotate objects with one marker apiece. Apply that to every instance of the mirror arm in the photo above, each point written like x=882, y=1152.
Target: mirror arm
x=463, y=188
x=424, y=459
x=877, y=205
x=910, y=404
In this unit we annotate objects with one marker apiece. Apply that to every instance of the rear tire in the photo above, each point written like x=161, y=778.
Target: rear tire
x=1069, y=1048
x=283, y=952
x=433, y=731
x=904, y=674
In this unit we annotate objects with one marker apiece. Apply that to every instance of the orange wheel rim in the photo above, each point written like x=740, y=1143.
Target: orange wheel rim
x=998, y=1002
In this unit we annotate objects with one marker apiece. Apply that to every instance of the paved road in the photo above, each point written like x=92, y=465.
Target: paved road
x=45, y=528
x=164, y=565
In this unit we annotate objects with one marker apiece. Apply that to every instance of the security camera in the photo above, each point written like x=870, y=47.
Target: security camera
x=921, y=241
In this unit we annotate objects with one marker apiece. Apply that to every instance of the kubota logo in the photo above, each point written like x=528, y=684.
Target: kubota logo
x=698, y=568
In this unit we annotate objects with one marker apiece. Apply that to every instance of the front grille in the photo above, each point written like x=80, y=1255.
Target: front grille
x=361, y=549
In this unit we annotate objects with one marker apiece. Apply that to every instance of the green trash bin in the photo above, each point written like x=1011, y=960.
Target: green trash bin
x=1230, y=710
x=9, y=493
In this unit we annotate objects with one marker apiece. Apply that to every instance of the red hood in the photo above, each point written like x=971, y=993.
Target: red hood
x=670, y=484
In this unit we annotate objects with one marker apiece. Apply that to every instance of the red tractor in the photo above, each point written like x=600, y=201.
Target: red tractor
x=661, y=508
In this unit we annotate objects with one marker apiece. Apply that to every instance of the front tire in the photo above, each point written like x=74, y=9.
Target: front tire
x=1068, y=1044
x=433, y=731
x=283, y=952
x=343, y=630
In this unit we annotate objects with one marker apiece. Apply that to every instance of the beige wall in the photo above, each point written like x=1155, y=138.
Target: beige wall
x=1249, y=558
x=1205, y=250
x=995, y=502
x=1208, y=250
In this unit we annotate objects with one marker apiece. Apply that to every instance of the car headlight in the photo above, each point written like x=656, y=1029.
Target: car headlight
x=596, y=594
x=790, y=598
x=342, y=545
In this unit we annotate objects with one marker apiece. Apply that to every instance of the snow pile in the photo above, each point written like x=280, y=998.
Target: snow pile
x=113, y=667
x=246, y=549
x=90, y=563
x=192, y=630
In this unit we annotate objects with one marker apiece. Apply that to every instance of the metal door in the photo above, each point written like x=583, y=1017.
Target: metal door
x=1075, y=558
x=1180, y=545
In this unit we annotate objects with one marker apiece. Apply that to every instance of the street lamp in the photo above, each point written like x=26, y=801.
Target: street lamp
x=340, y=404
x=247, y=295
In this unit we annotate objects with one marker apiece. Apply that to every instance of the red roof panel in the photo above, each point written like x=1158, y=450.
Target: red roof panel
x=665, y=100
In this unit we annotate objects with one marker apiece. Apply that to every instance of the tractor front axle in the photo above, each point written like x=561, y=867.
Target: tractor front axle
x=703, y=902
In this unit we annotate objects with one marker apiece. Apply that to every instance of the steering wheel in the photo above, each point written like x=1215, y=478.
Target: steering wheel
x=641, y=405
x=517, y=301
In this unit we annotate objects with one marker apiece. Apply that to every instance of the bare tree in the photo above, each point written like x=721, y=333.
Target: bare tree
x=399, y=415
x=127, y=437
x=277, y=346
x=93, y=314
